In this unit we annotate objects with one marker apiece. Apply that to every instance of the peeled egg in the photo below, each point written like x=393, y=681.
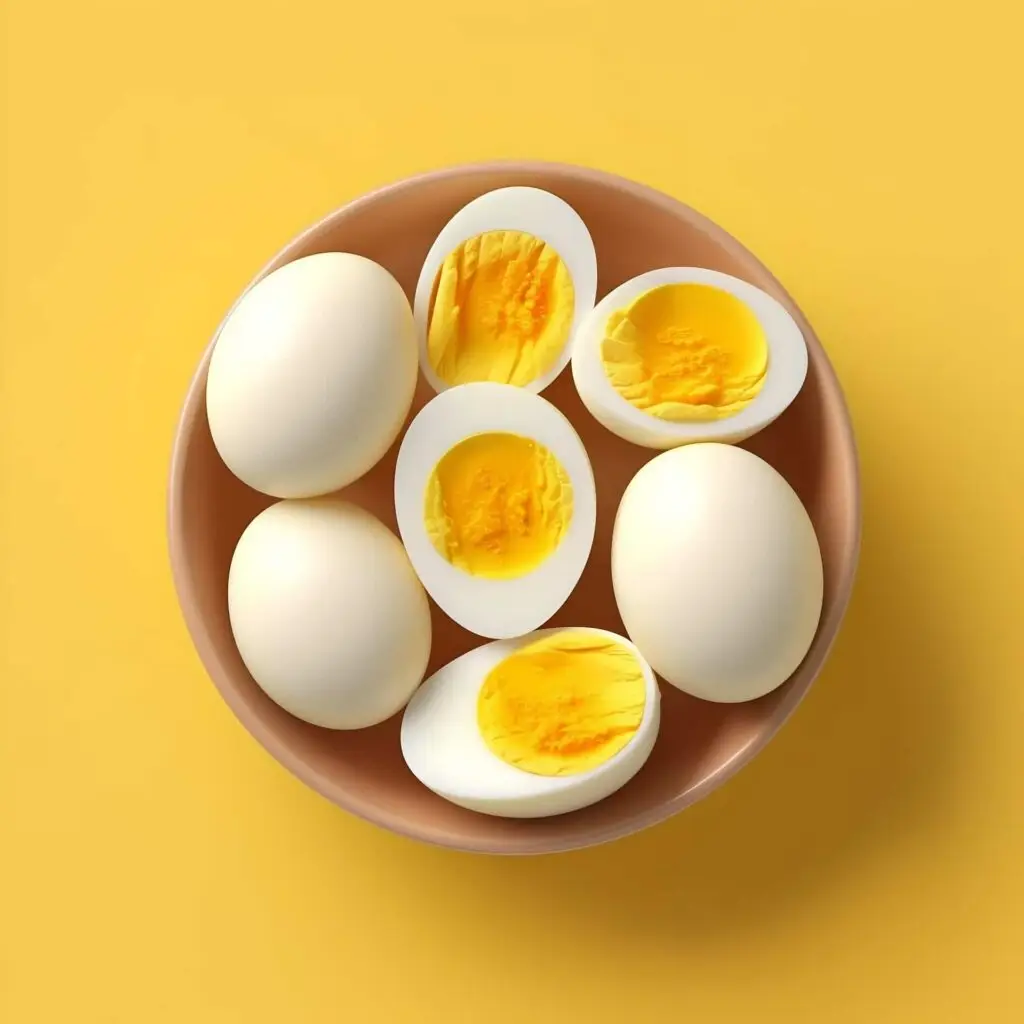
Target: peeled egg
x=312, y=375
x=716, y=571
x=686, y=354
x=327, y=613
x=495, y=500
x=539, y=725
x=503, y=290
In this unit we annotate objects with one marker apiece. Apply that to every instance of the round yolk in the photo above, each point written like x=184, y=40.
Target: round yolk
x=562, y=705
x=497, y=505
x=686, y=352
x=502, y=310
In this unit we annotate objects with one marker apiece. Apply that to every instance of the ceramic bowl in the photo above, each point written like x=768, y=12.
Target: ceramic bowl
x=701, y=744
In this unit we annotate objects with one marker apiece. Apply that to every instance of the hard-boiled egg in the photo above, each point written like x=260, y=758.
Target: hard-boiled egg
x=312, y=375
x=327, y=613
x=716, y=571
x=686, y=354
x=503, y=289
x=540, y=725
x=496, y=506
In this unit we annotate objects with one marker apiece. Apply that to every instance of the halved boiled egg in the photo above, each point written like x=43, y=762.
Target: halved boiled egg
x=540, y=725
x=495, y=501
x=503, y=290
x=686, y=354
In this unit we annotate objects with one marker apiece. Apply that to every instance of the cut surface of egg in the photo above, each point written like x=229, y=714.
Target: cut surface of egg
x=312, y=375
x=716, y=571
x=503, y=290
x=686, y=354
x=540, y=725
x=495, y=501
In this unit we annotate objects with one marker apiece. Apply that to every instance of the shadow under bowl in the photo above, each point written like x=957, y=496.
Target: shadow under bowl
x=700, y=744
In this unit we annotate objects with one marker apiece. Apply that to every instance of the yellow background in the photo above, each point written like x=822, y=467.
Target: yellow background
x=156, y=865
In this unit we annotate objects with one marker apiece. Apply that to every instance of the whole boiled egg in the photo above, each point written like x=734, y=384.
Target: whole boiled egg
x=716, y=571
x=312, y=375
x=327, y=613
x=503, y=289
x=686, y=354
x=495, y=500
x=540, y=725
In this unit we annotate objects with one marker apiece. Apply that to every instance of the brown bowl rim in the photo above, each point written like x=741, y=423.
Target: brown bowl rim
x=367, y=811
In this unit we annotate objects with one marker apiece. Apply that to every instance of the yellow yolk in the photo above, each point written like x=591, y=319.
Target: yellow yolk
x=686, y=352
x=502, y=310
x=562, y=705
x=497, y=505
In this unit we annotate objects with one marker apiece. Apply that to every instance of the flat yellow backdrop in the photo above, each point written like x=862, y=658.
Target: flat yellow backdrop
x=157, y=866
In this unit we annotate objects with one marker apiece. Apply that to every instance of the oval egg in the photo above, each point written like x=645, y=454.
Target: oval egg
x=312, y=375
x=496, y=506
x=540, y=725
x=716, y=571
x=685, y=354
x=503, y=290
x=327, y=613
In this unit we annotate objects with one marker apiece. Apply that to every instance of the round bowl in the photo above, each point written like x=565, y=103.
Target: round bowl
x=701, y=744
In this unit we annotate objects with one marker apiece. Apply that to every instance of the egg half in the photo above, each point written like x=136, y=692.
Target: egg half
x=503, y=290
x=686, y=354
x=540, y=725
x=716, y=571
x=495, y=501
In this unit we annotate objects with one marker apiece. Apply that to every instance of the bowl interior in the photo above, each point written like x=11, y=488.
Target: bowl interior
x=634, y=229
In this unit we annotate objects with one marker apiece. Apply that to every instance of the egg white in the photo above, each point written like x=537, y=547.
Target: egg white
x=787, y=365
x=443, y=747
x=497, y=609
x=516, y=208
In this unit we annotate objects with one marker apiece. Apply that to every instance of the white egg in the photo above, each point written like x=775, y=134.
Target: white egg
x=525, y=543
x=673, y=382
x=444, y=747
x=312, y=375
x=504, y=288
x=327, y=613
x=716, y=571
